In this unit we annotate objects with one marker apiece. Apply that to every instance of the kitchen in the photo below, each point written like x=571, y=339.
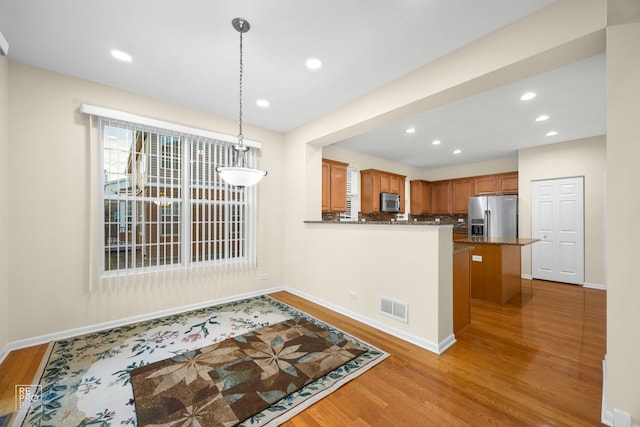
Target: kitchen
x=585, y=157
x=356, y=270
x=482, y=211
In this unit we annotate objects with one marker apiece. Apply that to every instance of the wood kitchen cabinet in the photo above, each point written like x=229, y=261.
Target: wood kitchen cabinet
x=495, y=272
x=373, y=182
x=487, y=184
x=461, y=189
x=500, y=183
x=420, y=191
x=508, y=183
x=441, y=197
x=461, y=289
x=334, y=186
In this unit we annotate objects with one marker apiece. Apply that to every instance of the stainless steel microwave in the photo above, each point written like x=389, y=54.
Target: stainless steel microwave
x=389, y=202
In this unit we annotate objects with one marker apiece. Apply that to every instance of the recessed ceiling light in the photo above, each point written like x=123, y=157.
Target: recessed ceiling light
x=527, y=96
x=552, y=133
x=313, y=63
x=262, y=103
x=122, y=56
x=436, y=142
x=457, y=151
x=542, y=118
x=410, y=130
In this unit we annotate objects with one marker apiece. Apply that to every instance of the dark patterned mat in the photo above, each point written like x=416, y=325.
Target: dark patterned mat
x=228, y=382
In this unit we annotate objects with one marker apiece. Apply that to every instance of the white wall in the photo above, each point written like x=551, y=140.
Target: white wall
x=623, y=205
x=48, y=204
x=585, y=157
x=4, y=203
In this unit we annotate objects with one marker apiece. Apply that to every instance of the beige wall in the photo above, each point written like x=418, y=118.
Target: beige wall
x=587, y=158
x=623, y=205
x=4, y=203
x=48, y=205
x=401, y=262
x=364, y=161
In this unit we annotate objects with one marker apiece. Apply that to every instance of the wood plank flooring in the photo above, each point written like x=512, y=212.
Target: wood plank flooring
x=535, y=361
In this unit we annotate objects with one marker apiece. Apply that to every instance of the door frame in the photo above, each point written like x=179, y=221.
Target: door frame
x=556, y=274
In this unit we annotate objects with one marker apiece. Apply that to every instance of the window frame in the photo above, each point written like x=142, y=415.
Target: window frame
x=235, y=249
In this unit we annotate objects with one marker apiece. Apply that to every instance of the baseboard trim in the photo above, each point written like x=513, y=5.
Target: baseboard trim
x=42, y=339
x=585, y=284
x=4, y=353
x=606, y=416
x=437, y=348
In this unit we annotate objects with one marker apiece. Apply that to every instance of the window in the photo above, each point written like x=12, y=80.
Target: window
x=353, y=201
x=164, y=204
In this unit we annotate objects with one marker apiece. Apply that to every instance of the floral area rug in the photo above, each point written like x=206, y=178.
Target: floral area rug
x=226, y=383
x=86, y=380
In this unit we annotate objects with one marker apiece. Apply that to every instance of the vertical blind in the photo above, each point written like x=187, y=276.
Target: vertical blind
x=163, y=205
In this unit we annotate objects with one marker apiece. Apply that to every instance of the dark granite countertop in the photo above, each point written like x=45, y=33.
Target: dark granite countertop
x=380, y=222
x=497, y=241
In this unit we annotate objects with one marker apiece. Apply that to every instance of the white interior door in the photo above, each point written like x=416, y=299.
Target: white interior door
x=557, y=219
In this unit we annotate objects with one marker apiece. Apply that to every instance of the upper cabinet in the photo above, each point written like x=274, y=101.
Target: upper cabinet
x=373, y=182
x=502, y=183
x=508, y=183
x=461, y=189
x=451, y=196
x=441, y=197
x=420, y=200
x=334, y=186
x=485, y=185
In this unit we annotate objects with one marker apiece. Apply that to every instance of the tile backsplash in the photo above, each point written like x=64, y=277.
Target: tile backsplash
x=383, y=216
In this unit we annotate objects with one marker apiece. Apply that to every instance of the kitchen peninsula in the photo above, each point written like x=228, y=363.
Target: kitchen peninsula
x=409, y=263
x=495, y=267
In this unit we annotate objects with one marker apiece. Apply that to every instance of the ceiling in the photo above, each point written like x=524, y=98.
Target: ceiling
x=187, y=53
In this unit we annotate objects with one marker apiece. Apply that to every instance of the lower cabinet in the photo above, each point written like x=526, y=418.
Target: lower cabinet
x=461, y=289
x=495, y=272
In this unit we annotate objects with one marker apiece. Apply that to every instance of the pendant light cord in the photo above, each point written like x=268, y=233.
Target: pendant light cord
x=240, y=135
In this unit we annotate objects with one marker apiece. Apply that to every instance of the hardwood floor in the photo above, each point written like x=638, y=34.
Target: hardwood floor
x=535, y=361
x=19, y=368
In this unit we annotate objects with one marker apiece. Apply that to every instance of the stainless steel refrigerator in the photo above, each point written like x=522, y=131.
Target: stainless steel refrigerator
x=493, y=216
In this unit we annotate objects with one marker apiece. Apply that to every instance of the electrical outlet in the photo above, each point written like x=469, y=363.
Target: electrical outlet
x=460, y=219
x=437, y=219
x=264, y=276
x=353, y=295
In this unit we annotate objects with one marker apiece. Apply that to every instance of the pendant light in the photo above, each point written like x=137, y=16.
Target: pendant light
x=240, y=174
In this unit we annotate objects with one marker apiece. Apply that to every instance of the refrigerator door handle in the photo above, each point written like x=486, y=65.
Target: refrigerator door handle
x=487, y=223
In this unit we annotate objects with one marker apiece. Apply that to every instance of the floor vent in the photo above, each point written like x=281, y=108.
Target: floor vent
x=396, y=309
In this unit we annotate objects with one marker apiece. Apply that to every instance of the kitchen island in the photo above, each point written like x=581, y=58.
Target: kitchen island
x=495, y=267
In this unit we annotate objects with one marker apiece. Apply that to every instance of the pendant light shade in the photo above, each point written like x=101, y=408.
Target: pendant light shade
x=240, y=174
x=241, y=177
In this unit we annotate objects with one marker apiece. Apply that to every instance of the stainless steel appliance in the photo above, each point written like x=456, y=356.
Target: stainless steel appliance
x=493, y=216
x=389, y=202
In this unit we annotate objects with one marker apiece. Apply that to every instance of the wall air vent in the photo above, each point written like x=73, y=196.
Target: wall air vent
x=396, y=309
